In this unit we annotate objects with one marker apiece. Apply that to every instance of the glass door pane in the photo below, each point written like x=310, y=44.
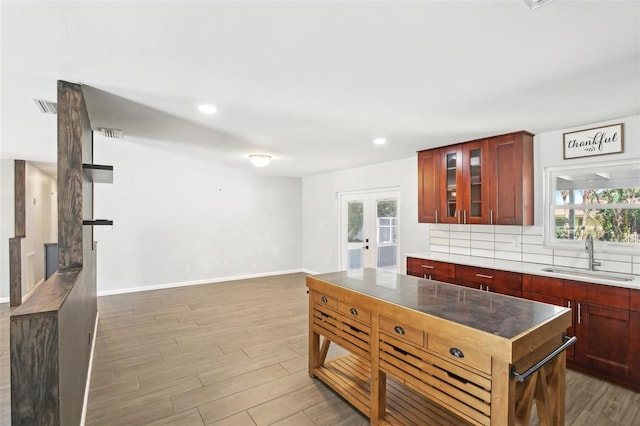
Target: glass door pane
x=475, y=181
x=452, y=195
x=369, y=231
x=355, y=234
x=387, y=234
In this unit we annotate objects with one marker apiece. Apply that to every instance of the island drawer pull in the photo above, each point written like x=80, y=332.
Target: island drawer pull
x=357, y=330
x=324, y=299
x=566, y=342
x=456, y=352
x=427, y=266
x=484, y=276
x=353, y=311
x=397, y=349
x=398, y=329
x=458, y=378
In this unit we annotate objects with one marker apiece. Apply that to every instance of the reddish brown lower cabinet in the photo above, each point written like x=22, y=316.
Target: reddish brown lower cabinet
x=605, y=319
x=503, y=282
x=543, y=289
x=431, y=269
x=606, y=339
x=634, y=347
x=634, y=336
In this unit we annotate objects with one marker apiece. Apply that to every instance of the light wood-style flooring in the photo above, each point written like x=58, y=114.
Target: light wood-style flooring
x=235, y=353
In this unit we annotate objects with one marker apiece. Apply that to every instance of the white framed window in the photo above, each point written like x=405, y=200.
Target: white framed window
x=602, y=200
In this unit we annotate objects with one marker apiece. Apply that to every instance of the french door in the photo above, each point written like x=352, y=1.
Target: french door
x=369, y=230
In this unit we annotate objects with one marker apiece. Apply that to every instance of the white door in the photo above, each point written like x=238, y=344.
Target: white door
x=369, y=230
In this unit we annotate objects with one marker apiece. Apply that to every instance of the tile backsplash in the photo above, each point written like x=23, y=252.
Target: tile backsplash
x=520, y=244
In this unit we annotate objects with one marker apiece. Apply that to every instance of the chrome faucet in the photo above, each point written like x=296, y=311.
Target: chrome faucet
x=588, y=247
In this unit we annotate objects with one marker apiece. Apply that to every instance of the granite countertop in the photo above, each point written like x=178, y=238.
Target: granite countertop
x=523, y=267
x=501, y=315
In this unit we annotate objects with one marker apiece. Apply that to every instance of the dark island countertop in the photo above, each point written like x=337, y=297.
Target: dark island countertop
x=500, y=315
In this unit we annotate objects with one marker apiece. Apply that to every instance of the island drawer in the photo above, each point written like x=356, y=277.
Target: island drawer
x=459, y=351
x=460, y=390
x=402, y=331
x=353, y=311
x=325, y=300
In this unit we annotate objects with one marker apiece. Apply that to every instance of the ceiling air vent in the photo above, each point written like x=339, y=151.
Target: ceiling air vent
x=46, y=107
x=111, y=133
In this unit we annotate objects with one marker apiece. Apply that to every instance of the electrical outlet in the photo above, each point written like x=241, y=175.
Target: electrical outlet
x=188, y=268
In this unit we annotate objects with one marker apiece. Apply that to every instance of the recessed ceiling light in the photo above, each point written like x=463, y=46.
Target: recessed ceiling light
x=207, y=109
x=379, y=141
x=260, y=160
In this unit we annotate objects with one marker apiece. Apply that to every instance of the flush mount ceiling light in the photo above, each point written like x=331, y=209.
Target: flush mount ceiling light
x=111, y=133
x=260, y=160
x=533, y=4
x=46, y=107
x=379, y=141
x=207, y=109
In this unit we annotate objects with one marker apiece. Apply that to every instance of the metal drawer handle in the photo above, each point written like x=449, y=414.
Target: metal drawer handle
x=324, y=299
x=353, y=311
x=427, y=266
x=398, y=329
x=484, y=276
x=566, y=342
x=456, y=352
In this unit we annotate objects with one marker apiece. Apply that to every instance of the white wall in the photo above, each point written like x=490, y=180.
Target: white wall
x=7, y=223
x=39, y=212
x=548, y=153
x=171, y=211
x=39, y=187
x=320, y=209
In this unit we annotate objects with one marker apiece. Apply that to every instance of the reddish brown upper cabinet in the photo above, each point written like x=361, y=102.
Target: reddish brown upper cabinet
x=511, y=179
x=486, y=181
x=429, y=186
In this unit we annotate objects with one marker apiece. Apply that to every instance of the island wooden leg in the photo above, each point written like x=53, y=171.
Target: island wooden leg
x=314, y=342
x=557, y=387
x=314, y=351
x=503, y=395
x=324, y=349
x=525, y=393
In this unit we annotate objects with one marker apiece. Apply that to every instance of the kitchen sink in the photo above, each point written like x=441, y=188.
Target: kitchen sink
x=586, y=273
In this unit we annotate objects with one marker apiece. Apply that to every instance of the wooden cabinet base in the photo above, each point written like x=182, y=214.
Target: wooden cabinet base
x=410, y=367
x=350, y=377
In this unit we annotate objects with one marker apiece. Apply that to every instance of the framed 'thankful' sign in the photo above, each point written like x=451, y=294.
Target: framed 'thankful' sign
x=591, y=142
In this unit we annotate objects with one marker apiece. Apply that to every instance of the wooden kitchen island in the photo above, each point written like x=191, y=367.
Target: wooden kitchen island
x=427, y=352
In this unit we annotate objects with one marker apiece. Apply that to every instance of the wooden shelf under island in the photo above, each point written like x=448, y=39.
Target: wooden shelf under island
x=427, y=352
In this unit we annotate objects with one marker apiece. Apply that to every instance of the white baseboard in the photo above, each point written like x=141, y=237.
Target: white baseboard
x=197, y=282
x=30, y=292
x=88, y=385
x=26, y=296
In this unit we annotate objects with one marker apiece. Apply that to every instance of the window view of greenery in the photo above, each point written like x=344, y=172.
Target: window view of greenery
x=605, y=205
x=354, y=226
x=387, y=221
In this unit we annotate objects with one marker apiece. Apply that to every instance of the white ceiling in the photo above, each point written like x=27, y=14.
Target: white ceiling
x=312, y=83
